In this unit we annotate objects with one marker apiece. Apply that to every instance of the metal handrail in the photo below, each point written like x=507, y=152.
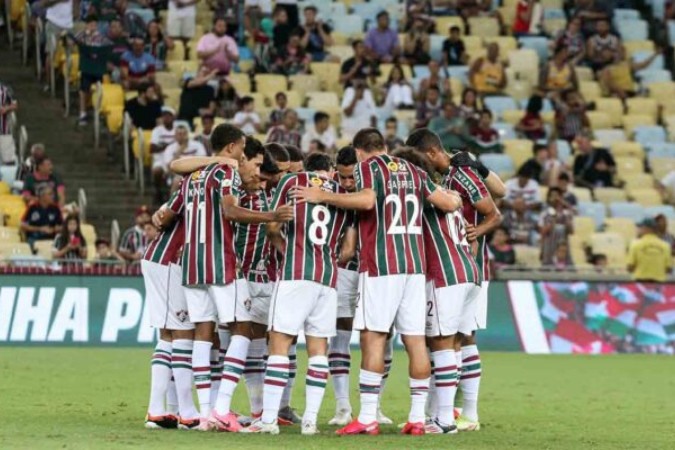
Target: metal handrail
x=140, y=160
x=8, y=24
x=25, y=19
x=126, y=136
x=82, y=204
x=23, y=143
x=39, y=28
x=66, y=79
x=51, y=53
x=114, y=233
x=98, y=101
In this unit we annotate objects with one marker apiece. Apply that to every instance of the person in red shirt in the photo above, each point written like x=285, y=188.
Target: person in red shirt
x=531, y=126
x=526, y=15
x=485, y=139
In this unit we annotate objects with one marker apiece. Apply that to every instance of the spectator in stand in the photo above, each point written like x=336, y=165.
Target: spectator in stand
x=502, y=251
x=217, y=50
x=204, y=138
x=157, y=44
x=137, y=67
x=558, y=74
x=286, y=133
x=399, y=92
x=531, y=126
x=451, y=128
x=246, y=118
x=316, y=146
x=70, y=244
x=8, y=104
x=542, y=166
x=120, y=45
x=603, y=48
x=133, y=240
x=105, y=10
x=468, y=108
x=292, y=59
x=277, y=114
x=44, y=176
x=197, y=95
x=419, y=10
x=163, y=135
x=229, y=10
x=417, y=44
x=649, y=258
x=479, y=8
x=429, y=108
x=358, y=108
x=618, y=78
x=382, y=42
x=593, y=167
x=227, y=99
x=322, y=131
x=296, y=159
x=144, y=109
x=521, y=222
x=454, y=51
x=487, y=75
x=573, y=40
x=591, y=13
x=524, y=186
x=316, y=35
x=435, y=79
x=570, y=115
x=662, y=231
x=58, y=22
x=37, y=154
x=555, y=227
x=282, y=29
x=42, y=217
x=391, y=137
x=292, y=11
x=528, y=19
x=181, y=19
x=182, y=147
x=105, y=252
x=484, y=138
x=562, y=259
x=564, y=185
x=358, y=67
x=599, y=262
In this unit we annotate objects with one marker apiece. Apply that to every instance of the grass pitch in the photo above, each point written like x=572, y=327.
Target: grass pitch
x=70, y=398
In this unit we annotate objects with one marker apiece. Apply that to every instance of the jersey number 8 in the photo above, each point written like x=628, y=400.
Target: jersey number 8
x=318, y=230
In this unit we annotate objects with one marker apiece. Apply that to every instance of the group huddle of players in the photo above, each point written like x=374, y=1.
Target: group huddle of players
x=250, y=253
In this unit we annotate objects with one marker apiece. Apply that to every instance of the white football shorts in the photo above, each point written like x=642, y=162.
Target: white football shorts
x=301, y=305
x=451, y=309
x=165, y=296
x=348, y=292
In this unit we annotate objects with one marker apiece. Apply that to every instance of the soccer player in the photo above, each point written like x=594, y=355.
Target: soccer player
x=297, y=159
x=304, y=297
x=390, y=194
x=481, y=213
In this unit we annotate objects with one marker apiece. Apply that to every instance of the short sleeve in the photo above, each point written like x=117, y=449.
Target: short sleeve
x=155, y=136
x=177, y=200
x=471, y=184
x=203, y=43
x=428, y=186
x=229, y=181
x=363, y=176
x=280, y=194
x=348, y=97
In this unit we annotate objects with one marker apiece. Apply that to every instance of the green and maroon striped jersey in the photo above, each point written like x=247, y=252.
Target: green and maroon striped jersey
x=133, y=240
x=390, y=235
x=209, y=255
x=313, y=237
x=251, y=242
x=165, y=248
x=471, y=187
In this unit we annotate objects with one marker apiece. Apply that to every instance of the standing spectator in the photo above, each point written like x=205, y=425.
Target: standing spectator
x=227, y=99
x=484, y=138
x=591, y=13
x=42, y=217
x=277, y=114
x=435, y=78
x=316, y=35
x=531, y=126
x=8, y=104
x=204, y=138
x=120, y=45
x=487, y=75
x=197, y=95
x=247, y=119
x=281, y=33
x=144, y=109
x=182, y=147
x=558, y=74
x=564, y=186
x=603, y=48
x=157, y=44
x=217, y=50
x=163, y=135
x=44, y=176
x=451, y=128
x=181, y=19
x=358, y=67
x=618, y=78
x=649, y=257
x=292, y=59
x=502, y=251
x=454, y=51
x=382, y=42
x=133, y=242
x=593, y=167
x=287, y=132
x=573, y=40
x=417, y=44
x=358, y=108
x=229, y=10
x=137, y=66
x=399, y=93
x=428, y=109
x=322, y=131
x=292, y=11
x=555, y=226
x=36, y=154
x=70, y=243
x=391, y=138
x=59, y=21
x=662, y=231
x=521, y=222
x=524, y=186
x=570, y=115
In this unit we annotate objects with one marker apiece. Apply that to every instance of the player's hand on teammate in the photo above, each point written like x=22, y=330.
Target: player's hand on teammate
x=307, y=194
x=455, y=198
x=158, y=217
x=471, y=235
x=284, y=213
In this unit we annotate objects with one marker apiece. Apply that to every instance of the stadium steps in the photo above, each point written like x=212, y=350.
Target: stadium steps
x=110, y=196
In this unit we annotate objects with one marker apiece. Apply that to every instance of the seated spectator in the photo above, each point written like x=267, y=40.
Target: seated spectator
x=662, y=231
x=599, y=262
x=227, y=99
x=37, y=154
x=358, y=108
x=399, y=93
x=157, y=44
x=542, y=166
x=417, y=44
x=593, y=167
x=618, y=77
x=197, y=95
x=429, y=108
x=316, y=35
x=435, y=79
x=521, y=222
x=382, y=42
x=502, y=251
x=468, y=108
x=558, y=74
x=391, y=138
x=7, y=146
x=217, y=50
x=573, y=40
x=133, y=241
x=603, y=48
x=42, y=217
x=204, y=137
x=322, y=131
x=358, y=66
x=555, y=227
x=524, y=186
x=286, y=133
x=120, y=45
x=163, y=135
x=246, y=118
x=487, y=74
x=296, y=159
x=531, y=126
x=484, y=138
x=528, y=19
x=277, y=114
x=105, y=252
x=44, y=176
x=70, y=243
x=570, y=115
x=137, y=66
x=454, y=51
x=451, y=128
x=144, y=109
x=181, y=19
x=561, y=257
x=564, y=186
x=591, y=13
x=292, y=59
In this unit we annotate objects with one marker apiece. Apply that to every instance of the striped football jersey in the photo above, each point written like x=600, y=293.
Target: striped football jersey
x=251, y=242
x=165, y=248
x=133, y=240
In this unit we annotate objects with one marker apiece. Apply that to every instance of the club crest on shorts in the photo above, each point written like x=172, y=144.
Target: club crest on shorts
x=247, y=304
x=182, y=315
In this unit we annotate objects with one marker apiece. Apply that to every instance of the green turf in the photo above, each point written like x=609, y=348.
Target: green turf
x=96, y=398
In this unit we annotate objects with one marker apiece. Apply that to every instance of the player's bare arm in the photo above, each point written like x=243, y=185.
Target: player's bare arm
x=363, y=200
x=447, y=201
x=348, y=245
x=185, y=166
x=235, y=213
x=163, y=217
x=492, y=217
x=495, y=186
x=273, y=230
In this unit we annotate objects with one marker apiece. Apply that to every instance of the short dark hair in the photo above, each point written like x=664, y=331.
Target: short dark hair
x=525, y=171
x=423, y=140
x=311, y=8
x=564, y=177
x=486, y=111
x=320, y=146
x=391, y=119
x=455, y=28
x=597, y=257
x=224, y=135
x=294, y=153
x=278, y=152
x=269, y=165
x=246, y=100
x=143, y=88
x=414, y=157
x=553, y=189
x=382, y=13
x=346, y=156
x=538, y=147
x=279, y=94
x=91, y=18
x=369, y=140
x=318, y=161
x=356, y=42
x=319, y=116
x=253, y=148
x=217, y=19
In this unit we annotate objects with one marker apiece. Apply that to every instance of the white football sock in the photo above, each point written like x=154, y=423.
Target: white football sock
x=431, y=408
x=254, y=374
x=445, y=380
x=216, y=362
x=276, y=378
x=292, y=370
x=388, y=360
x=172, y=398
x=315, y=387
x=201, y=372
x=419, y=390
x=160, y=376
x=469, y=381
x=181, y=366
x=339, y=361
x=233, y=368
x=370, y=384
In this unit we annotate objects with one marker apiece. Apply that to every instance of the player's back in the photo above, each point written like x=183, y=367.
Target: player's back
x=251, y=242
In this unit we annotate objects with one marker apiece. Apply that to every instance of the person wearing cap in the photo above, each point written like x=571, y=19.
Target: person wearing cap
x=163, y=135
x=217, y=50
x=133, y=240
x=649, y=257
x=137, y=65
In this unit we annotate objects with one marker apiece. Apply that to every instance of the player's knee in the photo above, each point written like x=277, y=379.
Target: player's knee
x=241, y=329
x=183, y=334
x=469, y=339
x=165, y=334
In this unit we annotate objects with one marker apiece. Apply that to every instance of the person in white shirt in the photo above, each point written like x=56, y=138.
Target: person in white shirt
x=358, y=108
x=183, y=146
x=247, y=119
x=59, y=17
x=524, y=186
x=162, y=136
x=181, y=19
x=322, y=131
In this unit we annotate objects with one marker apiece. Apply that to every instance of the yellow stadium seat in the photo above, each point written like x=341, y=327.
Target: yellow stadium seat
x=261, y=100
x=11, y=200
x=13, y=215
x=177, y=53
x=520, y=150
x=483, y=26
x=637, y=46
x=590, y=90
x=662, y=166
x=508, y=14
x=662, y=91
x=168, y=80
x=241, y=82
x=635, y=120
x=294, y=98
x=114, y=119
x=385, y=70
x=44, y=249
x=270, y=84
x=602, y=242
x=639, y=105
x=216, y=121
x=112, y=95
x=512, y=116
x=406, y=116
x=525, y=63
x=553, y=26
x=584, y=226
x=9, y=234
x=633, y=149
x=609, y=195
x=343, y=52
x=527, y=256
x=518, y=88
x=584, y=73
x=582, y=194
x=646, y=196
x=329, y=74
x=340, y=38
x=472, y=42
x=613, y=107
x=628, y=165
x=182, y=67
x=552, y=4
x=638, y=180
x=443, y=24
x=599, y=120
x=506, y=44
x=320, y=100
x=9, y=249
x=89, y=232
x=147, y=156
x=304, y=83
x=4, y=188
x=622, y=226
x=172, y=97
x=616, y=257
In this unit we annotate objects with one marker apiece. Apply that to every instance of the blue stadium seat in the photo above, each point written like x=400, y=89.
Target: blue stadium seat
x=596, y=210
x=608, y=136
x=648, y=75
x=633, y=30
x=554, y=13
x=658, y=8
x=649, y=134
x=657, y=64
x=422, y=71
x=498, y=163
x=538, y=44
x=627, y=210
x=660, y=149
x=368, y=11
x=499, y=104
x=8, y=174
x=351, y=24
x=626, y=14
x=666, y=210
x=436, y=46
x=505, y=130
x=459, y=72
x=306, y=114
x=564, y=150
